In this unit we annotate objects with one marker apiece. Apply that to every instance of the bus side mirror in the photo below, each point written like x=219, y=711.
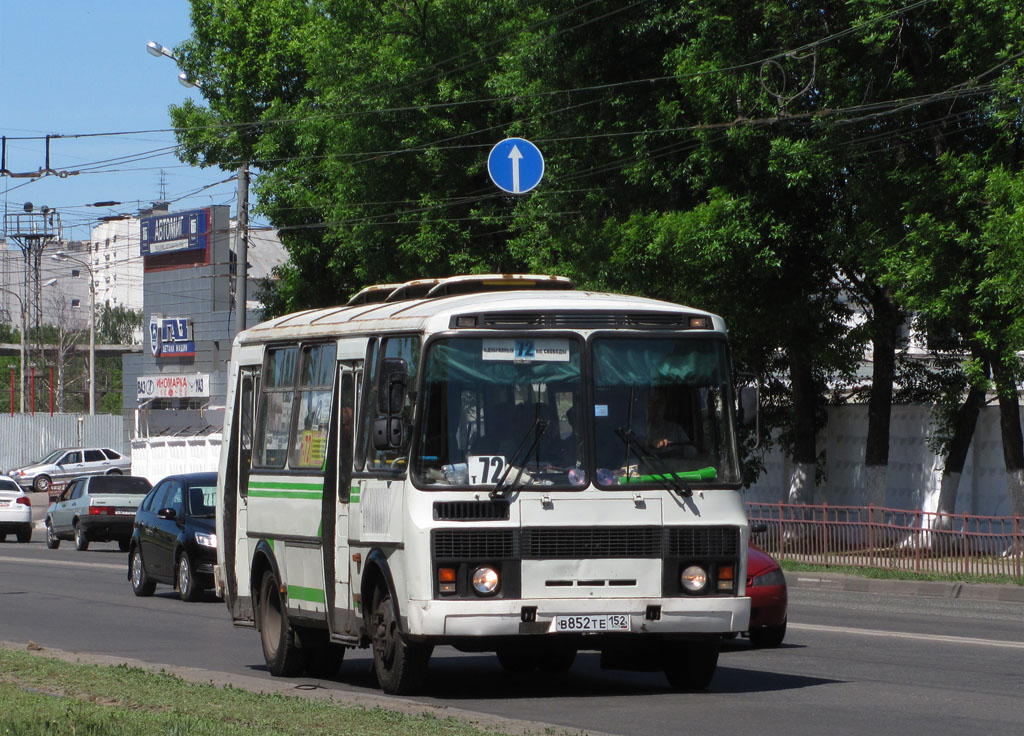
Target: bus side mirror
x=394, y=378
x=388, y=428
x=387, y=433
x=749, y=401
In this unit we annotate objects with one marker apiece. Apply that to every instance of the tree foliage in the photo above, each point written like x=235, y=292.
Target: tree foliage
x=774, y=162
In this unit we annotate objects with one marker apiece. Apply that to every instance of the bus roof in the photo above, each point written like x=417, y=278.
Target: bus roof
x=489, y=301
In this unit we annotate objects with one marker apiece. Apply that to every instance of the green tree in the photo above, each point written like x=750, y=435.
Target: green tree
x=767, y=160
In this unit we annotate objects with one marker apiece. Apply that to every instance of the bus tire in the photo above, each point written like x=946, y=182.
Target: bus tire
x=400, y=665
x=280, y=648
x=517, y=659
x=691, y=665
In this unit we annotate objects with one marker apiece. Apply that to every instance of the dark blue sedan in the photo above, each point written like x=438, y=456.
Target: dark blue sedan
x=174, y=540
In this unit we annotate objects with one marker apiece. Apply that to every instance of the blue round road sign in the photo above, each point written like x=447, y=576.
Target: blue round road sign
x=515, y=165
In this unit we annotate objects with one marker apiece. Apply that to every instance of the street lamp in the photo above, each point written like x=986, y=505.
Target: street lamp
x=62, y=256
x=21, y=357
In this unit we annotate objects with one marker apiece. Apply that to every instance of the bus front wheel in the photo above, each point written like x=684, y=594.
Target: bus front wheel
x=691, y=665
x=280, y=648
x=400, y=665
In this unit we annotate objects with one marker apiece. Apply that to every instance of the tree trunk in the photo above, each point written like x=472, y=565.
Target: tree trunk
x=1013, y=439
x=805, y=455
x=956, y=453
x=886, y=322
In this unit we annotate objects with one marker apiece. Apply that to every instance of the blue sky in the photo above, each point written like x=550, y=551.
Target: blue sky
x=71, y=67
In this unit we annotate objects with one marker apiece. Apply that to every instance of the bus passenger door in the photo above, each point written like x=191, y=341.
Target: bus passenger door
x=236, y=486
x=343, y=620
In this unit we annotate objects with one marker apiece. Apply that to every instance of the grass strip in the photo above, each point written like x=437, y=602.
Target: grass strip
x=40, y=696
x=879, y=573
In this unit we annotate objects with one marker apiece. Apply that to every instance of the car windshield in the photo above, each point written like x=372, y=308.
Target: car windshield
x=9, y=485
x=662, y=411
x=502, y=408
x=51, y=458
x=202, y=500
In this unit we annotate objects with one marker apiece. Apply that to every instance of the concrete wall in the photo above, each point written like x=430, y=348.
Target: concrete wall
x=157, y=457
x=914, y=474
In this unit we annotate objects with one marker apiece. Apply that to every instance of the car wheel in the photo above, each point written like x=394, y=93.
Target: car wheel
x=25, y=534
x=280, y=649
x=691, y=666
x=3, y=536
x=41, y=484
x=81, y=538
x=52, y=541
x=770, y=636
x=141, y=584
x=401, y=666
x=187, y=588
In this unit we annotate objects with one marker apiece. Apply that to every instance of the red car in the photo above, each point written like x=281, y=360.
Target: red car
x=766, y=586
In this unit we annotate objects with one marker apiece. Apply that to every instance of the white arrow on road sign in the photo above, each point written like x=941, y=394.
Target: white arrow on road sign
x=515, y=165
x=516, y=157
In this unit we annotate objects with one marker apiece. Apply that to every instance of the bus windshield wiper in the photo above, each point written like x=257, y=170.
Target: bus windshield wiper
x=668, y=479
x=536, y=431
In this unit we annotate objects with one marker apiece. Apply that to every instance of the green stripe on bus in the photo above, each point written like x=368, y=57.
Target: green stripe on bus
x=278, y=485
x=285, y=494
x=311, y=595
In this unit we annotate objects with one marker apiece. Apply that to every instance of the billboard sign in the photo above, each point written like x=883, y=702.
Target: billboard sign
x=174, y=233
x=171, y=337
x=182, y=386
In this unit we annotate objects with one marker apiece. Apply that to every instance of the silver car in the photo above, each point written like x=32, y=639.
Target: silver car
x=96, y=508
x=70, y=462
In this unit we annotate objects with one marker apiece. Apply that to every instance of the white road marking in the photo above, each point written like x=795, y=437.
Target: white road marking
x=66, y=563
x=907, y=635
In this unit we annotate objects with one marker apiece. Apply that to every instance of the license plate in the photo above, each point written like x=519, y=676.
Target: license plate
x=604, y=622
x=124, y=512
x=5, y=503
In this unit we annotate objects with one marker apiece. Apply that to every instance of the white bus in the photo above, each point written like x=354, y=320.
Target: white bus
x=496, y=463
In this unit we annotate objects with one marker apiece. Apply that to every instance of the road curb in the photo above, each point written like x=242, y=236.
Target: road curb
x=1008, y=593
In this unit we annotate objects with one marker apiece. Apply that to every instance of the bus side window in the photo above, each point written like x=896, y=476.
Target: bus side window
x=270, y=446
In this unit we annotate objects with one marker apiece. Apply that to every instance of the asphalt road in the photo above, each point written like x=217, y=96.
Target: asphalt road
x=853, y=662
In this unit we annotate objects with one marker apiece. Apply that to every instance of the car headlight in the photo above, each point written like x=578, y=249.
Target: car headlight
x=206, y=540
x=775, y=577
x=485, y=580
x=694, y=578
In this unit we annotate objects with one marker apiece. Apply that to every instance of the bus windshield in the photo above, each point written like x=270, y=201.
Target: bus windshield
x=497, y=406
x=662, y=411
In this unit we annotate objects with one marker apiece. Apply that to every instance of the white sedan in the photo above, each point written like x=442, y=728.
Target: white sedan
x=15, y=510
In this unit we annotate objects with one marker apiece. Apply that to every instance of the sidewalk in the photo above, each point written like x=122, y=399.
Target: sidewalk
x=1009, y=593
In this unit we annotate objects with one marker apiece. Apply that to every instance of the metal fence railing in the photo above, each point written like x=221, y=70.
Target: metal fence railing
x=893, y=539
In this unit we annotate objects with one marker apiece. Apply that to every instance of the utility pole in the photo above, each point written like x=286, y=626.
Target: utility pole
x=32, y=231
x=242, y=256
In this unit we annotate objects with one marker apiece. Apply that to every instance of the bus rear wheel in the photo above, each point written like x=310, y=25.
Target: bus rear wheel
x=400, y=665
x=281, y=650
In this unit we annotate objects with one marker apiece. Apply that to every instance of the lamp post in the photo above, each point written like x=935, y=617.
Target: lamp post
x=242, y=219
x=21, y=356
x=62, y=256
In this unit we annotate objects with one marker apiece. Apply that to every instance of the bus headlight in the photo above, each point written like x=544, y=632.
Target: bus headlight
x=485, y=580
x=694, y=578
